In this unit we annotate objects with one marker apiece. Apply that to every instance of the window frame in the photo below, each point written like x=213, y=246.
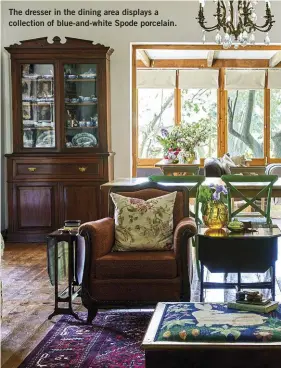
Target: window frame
x=222, y=113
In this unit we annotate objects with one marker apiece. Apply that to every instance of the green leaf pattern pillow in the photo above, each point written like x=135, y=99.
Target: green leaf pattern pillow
x=143, y=225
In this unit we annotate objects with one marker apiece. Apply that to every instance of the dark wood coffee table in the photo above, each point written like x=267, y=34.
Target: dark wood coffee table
x=173, y=354
x=230, y=252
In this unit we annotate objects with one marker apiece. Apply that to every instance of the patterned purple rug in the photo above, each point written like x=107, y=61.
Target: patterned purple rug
x=113, y=340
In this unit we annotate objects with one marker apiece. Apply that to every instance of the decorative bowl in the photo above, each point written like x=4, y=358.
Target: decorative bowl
x=236, y=226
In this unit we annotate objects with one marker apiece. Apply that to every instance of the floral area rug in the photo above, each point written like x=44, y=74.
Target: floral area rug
x=113, y=340
x=207, y=322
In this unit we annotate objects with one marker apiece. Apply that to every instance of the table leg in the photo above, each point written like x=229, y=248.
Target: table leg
x=239, y=281
x=56, y=279
x=273, y=281
x=71, y=245
x=201, y=282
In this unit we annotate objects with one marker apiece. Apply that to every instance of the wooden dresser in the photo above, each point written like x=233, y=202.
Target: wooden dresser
x=61, y=135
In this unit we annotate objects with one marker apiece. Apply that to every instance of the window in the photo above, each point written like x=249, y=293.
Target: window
x=242, y=104
x=275, y=123
x=246, y=123
x=197, y=104
x=156, y=110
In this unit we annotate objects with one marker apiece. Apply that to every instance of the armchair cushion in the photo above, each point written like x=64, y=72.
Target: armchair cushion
x=143, y=225
x=137, y=265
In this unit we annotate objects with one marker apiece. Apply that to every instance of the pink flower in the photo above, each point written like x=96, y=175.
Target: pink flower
x=135, y=200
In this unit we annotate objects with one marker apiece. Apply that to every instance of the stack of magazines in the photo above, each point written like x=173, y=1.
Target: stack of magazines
x=264, y=306
x=71, y=225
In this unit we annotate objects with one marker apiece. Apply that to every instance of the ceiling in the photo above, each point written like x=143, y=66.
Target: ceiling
x=170, y=56
x=203, y=54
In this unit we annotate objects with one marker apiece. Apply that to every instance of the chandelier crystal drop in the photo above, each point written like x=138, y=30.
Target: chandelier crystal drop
x=236, y=22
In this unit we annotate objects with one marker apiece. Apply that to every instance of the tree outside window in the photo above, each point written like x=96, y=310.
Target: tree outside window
x=275, y=123
x=246, y=123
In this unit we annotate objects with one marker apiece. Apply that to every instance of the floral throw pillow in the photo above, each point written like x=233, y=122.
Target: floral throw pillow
x=143, y=225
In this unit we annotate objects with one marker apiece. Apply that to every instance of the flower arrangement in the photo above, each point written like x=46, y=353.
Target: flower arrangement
x=211, y=192
x=183, y=139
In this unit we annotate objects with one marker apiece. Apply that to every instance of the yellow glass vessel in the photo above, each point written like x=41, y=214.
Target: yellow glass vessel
x=215, y=215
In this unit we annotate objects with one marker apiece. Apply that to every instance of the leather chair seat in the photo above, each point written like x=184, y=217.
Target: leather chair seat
x=138, y=265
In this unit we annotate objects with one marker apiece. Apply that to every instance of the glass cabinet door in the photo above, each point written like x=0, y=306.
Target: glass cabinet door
x=38, y=105
x=81, y=105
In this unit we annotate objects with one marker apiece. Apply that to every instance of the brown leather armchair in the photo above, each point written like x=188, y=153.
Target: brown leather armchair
x=139, y=277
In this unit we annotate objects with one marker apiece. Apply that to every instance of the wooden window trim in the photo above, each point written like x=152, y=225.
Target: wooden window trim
x=222, y=97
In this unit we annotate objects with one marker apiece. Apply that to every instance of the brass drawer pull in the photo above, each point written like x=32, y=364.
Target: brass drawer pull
x=32, y=169
x=82, y=169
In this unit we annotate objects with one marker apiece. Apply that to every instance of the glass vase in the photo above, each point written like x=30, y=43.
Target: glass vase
x=187, y=157
x=215, y=215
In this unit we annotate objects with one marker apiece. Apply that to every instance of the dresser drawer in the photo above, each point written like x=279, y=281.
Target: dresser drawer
x=59, y=170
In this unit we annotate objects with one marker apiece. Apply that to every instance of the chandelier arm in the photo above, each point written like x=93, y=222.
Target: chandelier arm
x=230, y=23
x=257, y=28
x=202, y=21
x=268, y=23
x=222, y=16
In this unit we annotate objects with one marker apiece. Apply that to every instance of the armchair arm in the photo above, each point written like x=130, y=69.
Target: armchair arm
x=100, y=235
x=187, y=227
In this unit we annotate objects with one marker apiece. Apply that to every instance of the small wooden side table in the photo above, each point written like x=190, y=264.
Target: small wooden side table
x=229, y=252
x=178, y=169
x=75, y=269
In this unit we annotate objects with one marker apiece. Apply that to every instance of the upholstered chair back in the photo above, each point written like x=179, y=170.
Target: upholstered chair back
x=150, y=190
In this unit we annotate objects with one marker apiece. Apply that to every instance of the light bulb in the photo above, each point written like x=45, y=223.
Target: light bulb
x=202, y=2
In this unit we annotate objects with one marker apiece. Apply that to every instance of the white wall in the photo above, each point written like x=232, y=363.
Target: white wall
x=186, y=31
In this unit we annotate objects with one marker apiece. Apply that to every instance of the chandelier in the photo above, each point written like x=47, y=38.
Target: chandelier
x=236, y=22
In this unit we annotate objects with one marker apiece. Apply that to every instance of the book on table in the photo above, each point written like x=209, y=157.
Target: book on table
x=271, y=306
x=261, y=302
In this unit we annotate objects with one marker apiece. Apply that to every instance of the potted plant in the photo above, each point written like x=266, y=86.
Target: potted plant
x=214, y=210
x=179, y=145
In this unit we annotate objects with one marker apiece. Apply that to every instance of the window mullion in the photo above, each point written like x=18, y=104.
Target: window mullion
x=266, y=122
x=177, y=101
x=222, y=115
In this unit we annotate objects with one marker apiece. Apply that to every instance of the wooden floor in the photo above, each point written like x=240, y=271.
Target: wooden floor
x=27, y=301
